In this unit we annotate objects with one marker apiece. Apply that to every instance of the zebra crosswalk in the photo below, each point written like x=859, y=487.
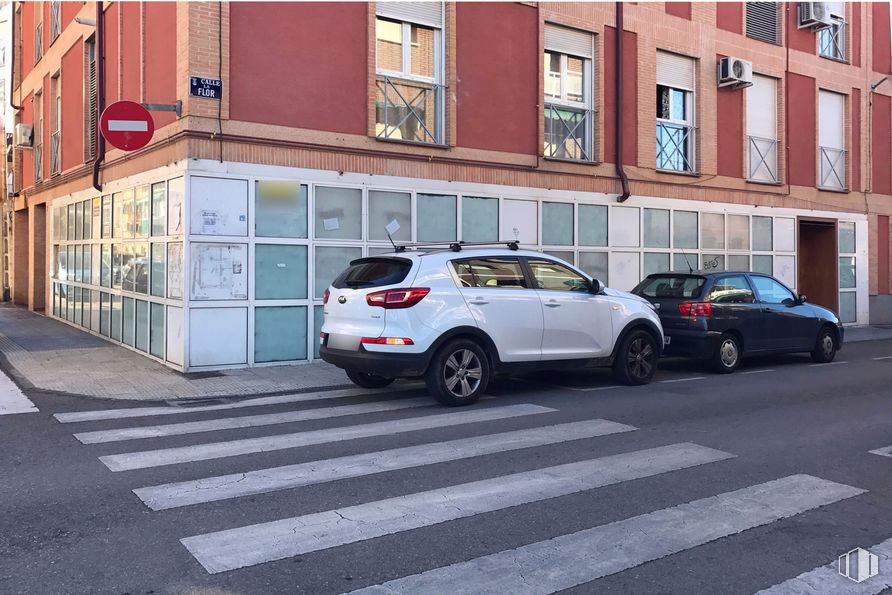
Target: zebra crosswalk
x=560, y=562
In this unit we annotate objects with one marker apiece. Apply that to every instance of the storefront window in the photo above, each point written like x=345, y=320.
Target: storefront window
x=141, y=212
x=142, y=325
x=385, y=207
x=159, y=209
x=846, y=238
x=762, y=234
x=338, y=213
x=557, y=224
x=655, y=262
x=592, y=225
x=273, y=345
x=280, y=209
x=684, y=232
x=156, y=330
x=847, y=272
x=738, y=232
x=280, y=272
x=159, y=274
x=656, y=229
x=712, y=231
x=479, y=219
x=763, y=264
x=436, y=218
x=594, y=264
x=330, y=261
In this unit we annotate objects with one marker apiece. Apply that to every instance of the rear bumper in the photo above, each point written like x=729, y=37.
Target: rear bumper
x=389, y=365
x=691, y=343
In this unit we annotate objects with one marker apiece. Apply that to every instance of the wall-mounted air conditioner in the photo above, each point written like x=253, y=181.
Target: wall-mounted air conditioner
x=735, y=73
x=814, y=15
x=24, y=136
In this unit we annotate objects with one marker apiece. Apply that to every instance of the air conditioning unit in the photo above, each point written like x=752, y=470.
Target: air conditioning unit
x=814, y=15
x=735, y=73
x=24, y=136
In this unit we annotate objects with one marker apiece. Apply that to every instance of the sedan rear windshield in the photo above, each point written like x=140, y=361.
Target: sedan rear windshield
x=373, y=272
x=681, y=287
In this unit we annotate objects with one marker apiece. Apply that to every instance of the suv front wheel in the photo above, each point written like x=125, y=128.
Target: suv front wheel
x=636, y=358
x=458, y=373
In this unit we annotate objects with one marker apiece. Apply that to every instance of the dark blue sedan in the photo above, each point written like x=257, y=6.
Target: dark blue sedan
x=724, y=316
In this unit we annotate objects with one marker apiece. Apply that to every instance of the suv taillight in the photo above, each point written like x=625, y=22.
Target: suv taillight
x=325, y=296
x=393, y=299
x=695, y=309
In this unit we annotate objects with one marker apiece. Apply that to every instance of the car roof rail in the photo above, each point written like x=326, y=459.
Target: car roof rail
x=455, y=246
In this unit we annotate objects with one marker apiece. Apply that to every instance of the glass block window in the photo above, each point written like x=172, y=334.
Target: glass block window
x=557, y=224
x=684, y=233
x=656, y=228
x=280, y=272
x=273, y=345
x=592, y=225
x=479, y=219
x=338, y=213
x=385, y=207
x=280, y=209
x=436, y=218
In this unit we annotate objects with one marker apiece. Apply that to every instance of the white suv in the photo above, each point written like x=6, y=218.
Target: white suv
x=458, y=316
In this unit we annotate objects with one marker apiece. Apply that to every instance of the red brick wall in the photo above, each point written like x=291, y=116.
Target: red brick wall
x=729, y=127
x=630, y=91
x=801, y=128
x=27, y=24
x=729, y=16
x=855, y=142
x=111, y=53
x=27, y=156
x=855, y=36
x=882, y=144
x=161, y=56
x=499, y=117
x=798, y=39
x=131, y=56
x=69, y=11
x=320, y=84
x=882, y=52
x=679, y=9
x=73, y=106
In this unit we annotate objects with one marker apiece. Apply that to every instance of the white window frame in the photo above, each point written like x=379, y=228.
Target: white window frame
x=586, y=102
x=762, y=146
x=688, y=123
x=406, y=48
x=836, y=157
x=838, y=34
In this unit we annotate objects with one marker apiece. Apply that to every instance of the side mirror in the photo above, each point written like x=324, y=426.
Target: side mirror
x=802, y=299
x=596, y=286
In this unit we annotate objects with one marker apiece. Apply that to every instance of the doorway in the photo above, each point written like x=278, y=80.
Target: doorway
x=818, y=262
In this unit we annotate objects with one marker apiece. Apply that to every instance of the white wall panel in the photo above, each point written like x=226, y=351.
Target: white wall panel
x=625, y=270
x=784, y=234
x=520, y=221
x=219, y=207
x=624, y=227
x=175, y=335
x=218, y=336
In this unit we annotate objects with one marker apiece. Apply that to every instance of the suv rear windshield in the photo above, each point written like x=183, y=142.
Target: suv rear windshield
x=373, y=272
x=681, y=287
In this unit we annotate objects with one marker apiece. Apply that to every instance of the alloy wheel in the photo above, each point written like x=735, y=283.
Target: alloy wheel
x=641, y=358
x=462, y=372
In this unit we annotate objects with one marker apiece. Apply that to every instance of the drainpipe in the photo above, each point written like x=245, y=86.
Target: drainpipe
x=100, y=92
x=620, y=108
x=12, y=63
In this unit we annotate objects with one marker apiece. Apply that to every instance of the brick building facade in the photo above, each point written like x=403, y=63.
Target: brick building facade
x=461, y=121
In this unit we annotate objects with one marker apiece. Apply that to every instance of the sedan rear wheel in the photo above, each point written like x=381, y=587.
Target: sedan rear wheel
x=727, y=356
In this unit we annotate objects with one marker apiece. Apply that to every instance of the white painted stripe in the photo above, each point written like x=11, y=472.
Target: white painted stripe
x=81, y=416
x=128, y=126
x=882, y=358
x=561, y=386
x=12, y=400
x=826, y=579
x=827, y=364
x=265, y=542
x=248, y=421
x=212, y=489
x=578, y=558
x=683, y=379
x=231, y=448
x=757, y=372
x=886, y=451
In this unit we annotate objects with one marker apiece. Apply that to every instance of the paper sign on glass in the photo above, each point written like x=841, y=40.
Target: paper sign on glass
x=392, y=227
x=331, y=224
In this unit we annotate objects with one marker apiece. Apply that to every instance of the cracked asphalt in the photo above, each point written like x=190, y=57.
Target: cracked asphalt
x=71, y=525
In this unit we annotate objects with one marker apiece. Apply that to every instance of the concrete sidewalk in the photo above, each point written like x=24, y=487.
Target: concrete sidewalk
x=45, y=354
x=41, y=353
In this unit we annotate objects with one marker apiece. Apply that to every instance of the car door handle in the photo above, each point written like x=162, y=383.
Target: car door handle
x=478, y=301
x=552, y=303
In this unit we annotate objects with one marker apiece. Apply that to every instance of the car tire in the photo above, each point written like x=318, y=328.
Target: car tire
x=366, y=380
x=727, y=354
x=636, y=359
x=458, y=373
x=825, y=346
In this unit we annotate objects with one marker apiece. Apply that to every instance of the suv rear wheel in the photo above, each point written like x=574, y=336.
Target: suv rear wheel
x=458, y=373
x=366, y=380
x=636, y=358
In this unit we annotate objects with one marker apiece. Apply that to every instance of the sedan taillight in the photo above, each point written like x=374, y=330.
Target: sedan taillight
x=695, y=309
x=394, y=299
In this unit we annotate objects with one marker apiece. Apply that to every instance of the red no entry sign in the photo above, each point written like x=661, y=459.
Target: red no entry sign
x=127, y=125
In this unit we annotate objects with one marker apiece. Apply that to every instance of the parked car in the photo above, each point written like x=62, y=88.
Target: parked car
x=456, y=317
x=724, y=316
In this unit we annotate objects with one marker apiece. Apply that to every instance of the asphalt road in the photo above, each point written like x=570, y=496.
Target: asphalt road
x=697, y=483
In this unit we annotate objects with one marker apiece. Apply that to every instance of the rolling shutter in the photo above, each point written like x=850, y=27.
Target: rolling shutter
x=761, y=107
x=674, y=70
x=762, y=21
x=569, y=41
x=422, y=13
x=831, y=113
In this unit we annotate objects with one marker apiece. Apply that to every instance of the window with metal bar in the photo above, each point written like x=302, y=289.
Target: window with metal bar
x=761, y=128
x=568, y=107
x=409, y=89
x=763, y=21
x=832, y=40
x=38, y=137
x=90, y=105
x=831, y=140
x=56, y=125
x=675, y=131
x=38, y=41
x=55, y=20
